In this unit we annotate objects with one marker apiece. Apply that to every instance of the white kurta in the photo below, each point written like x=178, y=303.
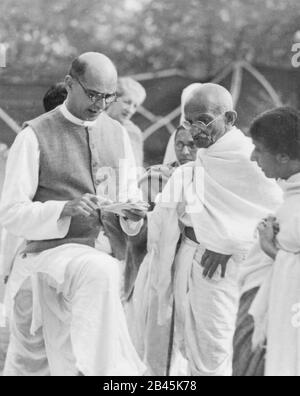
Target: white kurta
x=276, y=308
x=57, y=269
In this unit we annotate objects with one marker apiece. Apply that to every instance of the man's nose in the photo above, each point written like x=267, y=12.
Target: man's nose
x=101, y=104
x=185, y=151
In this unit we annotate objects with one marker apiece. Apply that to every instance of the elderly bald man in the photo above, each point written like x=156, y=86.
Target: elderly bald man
x=215, y=203
x=50, y=201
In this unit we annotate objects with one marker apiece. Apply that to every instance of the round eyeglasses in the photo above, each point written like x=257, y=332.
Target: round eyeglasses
x=98, y=96
x=200, y=124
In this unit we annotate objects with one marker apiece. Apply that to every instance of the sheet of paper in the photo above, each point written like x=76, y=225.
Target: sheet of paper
x=119, y=207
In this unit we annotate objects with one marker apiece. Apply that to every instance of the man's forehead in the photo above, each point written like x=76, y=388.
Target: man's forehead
x=195, y=114
x=203, y=104
x=100, y=82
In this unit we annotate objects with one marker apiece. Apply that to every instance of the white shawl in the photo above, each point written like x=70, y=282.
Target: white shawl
x=224, y=195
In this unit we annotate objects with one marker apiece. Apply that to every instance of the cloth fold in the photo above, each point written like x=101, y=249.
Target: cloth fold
x=215, y=195
x=274, y=307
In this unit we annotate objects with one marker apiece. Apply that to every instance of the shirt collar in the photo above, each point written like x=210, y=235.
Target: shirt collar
x=77, y=121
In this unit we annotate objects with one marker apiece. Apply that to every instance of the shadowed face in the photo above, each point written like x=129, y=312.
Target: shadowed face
x=267, y=161
x=185, y=147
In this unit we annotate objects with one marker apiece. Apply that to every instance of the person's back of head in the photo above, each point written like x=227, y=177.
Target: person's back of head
x=279, y=130
x=55, y=96
x=276, y=137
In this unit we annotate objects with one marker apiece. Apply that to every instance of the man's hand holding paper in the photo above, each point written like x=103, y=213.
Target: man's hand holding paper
x=134, y=211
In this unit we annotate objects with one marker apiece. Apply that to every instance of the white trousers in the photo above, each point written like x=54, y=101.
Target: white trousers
x=206, y=312
x=83, y=323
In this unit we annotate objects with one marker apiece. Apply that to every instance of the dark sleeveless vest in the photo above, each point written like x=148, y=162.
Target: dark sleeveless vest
x=67, y=171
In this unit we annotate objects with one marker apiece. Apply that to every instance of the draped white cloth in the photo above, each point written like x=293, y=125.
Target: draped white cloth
x=81, y=312
x=222, y=195
x=276, y=309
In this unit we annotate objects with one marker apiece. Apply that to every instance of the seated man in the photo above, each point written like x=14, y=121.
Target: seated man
x=49, y=199
x=215, y=203
x=131, y=95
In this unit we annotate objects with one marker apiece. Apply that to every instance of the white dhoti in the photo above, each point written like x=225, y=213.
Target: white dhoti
x=26, y=354
x=76, y=310
x=206, y=313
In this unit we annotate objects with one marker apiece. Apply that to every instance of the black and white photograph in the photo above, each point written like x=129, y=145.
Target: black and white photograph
x=150, y=190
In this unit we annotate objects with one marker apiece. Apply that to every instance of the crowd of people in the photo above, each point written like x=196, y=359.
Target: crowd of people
x=205, y=282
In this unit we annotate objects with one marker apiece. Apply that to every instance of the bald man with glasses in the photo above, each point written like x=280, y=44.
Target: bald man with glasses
x=59, y=285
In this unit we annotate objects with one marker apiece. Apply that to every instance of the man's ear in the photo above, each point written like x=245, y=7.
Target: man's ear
x=231, y=117
x=68, y=82
x=282, y=158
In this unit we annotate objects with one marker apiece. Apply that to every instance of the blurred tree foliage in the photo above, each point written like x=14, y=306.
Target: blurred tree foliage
x=199, y=36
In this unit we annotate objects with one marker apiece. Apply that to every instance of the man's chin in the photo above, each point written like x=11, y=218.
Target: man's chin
x=92, y=116
x=203, y=143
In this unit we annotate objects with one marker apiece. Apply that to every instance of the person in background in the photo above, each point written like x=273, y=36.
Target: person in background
x=170, y=155
x=152, y=183
x=267, y=339
x=131, y=95
x=55, y=96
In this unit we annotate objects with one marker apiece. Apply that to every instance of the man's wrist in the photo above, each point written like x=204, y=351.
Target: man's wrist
x=65, y=211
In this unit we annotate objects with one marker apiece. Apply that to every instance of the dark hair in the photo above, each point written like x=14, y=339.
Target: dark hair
x=78, y=68
x=279, y=131
x=55, y=96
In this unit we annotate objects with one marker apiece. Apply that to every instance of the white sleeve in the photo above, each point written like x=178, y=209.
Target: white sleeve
x=129, y=173
x=129, y=186
x=18, y=214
